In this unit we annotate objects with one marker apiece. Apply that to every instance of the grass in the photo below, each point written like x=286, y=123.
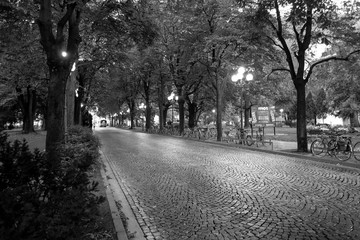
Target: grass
x=104, y=228
x=280, y=133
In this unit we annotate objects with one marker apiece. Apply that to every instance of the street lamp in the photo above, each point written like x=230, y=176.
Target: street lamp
x=114, y=116
x=172, y=98
x=142, y=107
x=121, y=121
x=281, y=115
x=239, y=78
x=64, y=54
x=213, y=116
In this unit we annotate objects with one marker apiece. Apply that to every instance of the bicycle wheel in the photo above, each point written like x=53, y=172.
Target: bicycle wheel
x=318, y=148
x=356, y=151
x=249, y=141
x=343, y=153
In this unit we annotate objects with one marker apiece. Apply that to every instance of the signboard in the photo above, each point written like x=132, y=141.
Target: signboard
x=263, y=115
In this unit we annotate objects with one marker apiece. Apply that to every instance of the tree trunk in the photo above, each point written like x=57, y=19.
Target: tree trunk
x=56, y=106
x=77, y=109
x=181, y=103
x=27, y=104
x=354, y=119
x=161, y=90
x=165, y=112
x=148, y=116
x=301, y=118
x=79, y=99
x=146, y=86
x=219, y=104
x=132, y=113
x=192, y=113
x=247, y=112
x=219, y=115
x=70, y=99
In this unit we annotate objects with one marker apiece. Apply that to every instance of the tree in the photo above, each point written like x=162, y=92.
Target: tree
x=345, y=101
x=61, y=48
x=8, y=106
x=22, y=63
x=305, y=21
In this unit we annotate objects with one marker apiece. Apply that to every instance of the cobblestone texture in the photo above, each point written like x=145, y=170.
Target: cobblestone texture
x=181, y=189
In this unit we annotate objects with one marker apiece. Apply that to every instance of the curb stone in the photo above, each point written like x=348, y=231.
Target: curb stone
x=118, y=225
x=115, y=190
x=289, y=153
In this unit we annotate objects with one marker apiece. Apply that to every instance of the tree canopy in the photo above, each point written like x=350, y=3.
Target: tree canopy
x=129, y=53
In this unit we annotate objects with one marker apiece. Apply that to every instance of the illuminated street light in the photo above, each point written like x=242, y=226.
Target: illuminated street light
x=239, y=79
x=64, y=54
x=281, y=114
x=142, y=106
x=172, y=98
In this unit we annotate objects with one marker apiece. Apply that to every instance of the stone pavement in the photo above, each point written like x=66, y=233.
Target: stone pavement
x=190, y=190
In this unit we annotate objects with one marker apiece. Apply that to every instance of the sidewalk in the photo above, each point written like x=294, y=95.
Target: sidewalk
x=285, y=148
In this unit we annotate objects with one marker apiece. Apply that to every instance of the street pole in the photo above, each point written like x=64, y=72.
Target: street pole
x=241, y=108
x=172, y=114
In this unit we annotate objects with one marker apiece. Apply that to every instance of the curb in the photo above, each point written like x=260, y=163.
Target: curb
x=300, y=155
x=118, y=225
x=117, y=194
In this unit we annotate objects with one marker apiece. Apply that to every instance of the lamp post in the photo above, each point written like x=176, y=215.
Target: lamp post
x=121, y=121
x=213, y=115
x=115, y=115
x=172, y=98
x=142, y=107
x=239, y=78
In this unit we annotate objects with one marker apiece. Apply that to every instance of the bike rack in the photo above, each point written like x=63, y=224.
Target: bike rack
x=243, y=141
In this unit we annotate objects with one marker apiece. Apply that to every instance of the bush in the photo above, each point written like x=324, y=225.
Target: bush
x=40, y=201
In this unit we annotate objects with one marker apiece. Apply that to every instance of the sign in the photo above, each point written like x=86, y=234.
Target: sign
x=263, y=115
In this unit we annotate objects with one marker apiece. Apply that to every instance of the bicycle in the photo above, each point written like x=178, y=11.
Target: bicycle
x=211, y=133
x=191, y=133
x=319, y=147
x=258, y=138
x=203, y=133
x=333, y=145
x=230, y=134
x=356, y=151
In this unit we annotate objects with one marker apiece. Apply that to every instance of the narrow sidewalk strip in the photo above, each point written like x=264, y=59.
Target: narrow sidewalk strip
x=117, y=195
x=118, y=225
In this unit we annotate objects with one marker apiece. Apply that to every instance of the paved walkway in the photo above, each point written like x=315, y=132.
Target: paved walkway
x=188, y=190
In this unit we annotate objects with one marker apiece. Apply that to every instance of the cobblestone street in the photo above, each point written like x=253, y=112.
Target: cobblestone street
x=184, y=189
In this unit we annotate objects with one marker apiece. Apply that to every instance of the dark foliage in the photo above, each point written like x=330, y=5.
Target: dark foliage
x=43, y=201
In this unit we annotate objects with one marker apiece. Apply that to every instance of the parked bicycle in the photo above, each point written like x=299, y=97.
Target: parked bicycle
x=191, y=133
x=259, y=137
x=356, y=151
x=336, y=145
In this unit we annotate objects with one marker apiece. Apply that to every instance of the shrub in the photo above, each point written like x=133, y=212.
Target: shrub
x=40, y=201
